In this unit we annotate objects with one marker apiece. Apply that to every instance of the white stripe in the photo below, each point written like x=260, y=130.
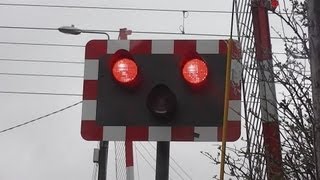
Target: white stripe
x=159, y=133
x=130, y=173
x=91, y=69
x=208, y=46
x=162, y=47
x=236, y=70
x=206, y=133
x=89, y=109
x=267, y=92
x=115, y=45
x=114, y=133
x=234, y=112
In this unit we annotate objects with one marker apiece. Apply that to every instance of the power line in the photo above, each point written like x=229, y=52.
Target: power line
x=39, y=93
x=116, y=31
x=115, y=8
x=41, y=44
x=133, y=31
x=40, y=75
x=39, y=118
x=154, y=159
x=174, y=162
x=126, y=8
x=40, y=61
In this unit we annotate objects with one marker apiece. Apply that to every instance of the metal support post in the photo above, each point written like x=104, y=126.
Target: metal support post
x=162, y=166
x=103, y=160
x=268, y=101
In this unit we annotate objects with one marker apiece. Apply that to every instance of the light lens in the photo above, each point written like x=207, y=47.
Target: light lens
x=195, y=71
x=125, y=70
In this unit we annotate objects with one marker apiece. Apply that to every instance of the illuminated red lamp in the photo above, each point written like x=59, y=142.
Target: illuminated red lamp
x=125, y=70
x=274, y=4
x=195, y=71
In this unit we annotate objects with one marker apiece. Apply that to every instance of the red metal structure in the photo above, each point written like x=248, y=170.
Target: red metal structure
x=268, y=102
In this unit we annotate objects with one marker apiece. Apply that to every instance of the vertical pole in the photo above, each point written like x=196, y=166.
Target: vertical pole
x=268, y=102
x=314, y=44
x=123, y=35
x=162, y=166
x=103, y=160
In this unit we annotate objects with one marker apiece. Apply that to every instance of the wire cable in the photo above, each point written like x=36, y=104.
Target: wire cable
x=146, y=159
x=175, y=162
x=116, y=31
x=39, y=118
x=39, y=61
x=41, y=44
x=137, y=161
x=119, y=8
x=39, y=93
x=40, y=75
x=112, y=8
x=154, y=159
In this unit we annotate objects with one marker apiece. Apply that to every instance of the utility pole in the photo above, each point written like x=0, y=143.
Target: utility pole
x=314, y=44
x=268, y=101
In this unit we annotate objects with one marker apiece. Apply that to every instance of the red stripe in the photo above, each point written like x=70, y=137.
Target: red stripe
x=272, y=146
x=236, y=48
x=137, y=133
x=182, y=133
x=95, y=49
x=140, y=46
x=129, y=153
x=91, y=131
x=185, y=47
x=233, y=131
x=90, y=89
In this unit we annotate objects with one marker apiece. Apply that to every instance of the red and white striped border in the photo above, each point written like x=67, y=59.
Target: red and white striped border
x=95, y=49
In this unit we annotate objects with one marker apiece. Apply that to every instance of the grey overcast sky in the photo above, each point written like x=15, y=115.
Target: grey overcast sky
x=52, y=148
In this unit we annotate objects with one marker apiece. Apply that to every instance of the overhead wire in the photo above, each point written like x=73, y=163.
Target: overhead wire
x=39, y=118
x=41, y=44
x=82, y=46
x=120, y=8
x=154, y=159
x=113, y=8
x=39, y=61
x=175, y=162
x=41, y=75
x=136, y=161
x=39, y=93
x=146, y=159
x=117, y=31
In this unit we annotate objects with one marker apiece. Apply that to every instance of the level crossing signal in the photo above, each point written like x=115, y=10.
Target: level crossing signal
x=159, y=90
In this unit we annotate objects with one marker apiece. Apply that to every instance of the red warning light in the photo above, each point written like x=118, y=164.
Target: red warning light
x=195, y=71
x=125, y=70
x=274, y=4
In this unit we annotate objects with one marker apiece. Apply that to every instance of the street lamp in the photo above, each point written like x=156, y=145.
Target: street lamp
x=103, y=152
x=76, y=31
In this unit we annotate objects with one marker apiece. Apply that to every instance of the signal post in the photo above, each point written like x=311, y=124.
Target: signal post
x=268, y=100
